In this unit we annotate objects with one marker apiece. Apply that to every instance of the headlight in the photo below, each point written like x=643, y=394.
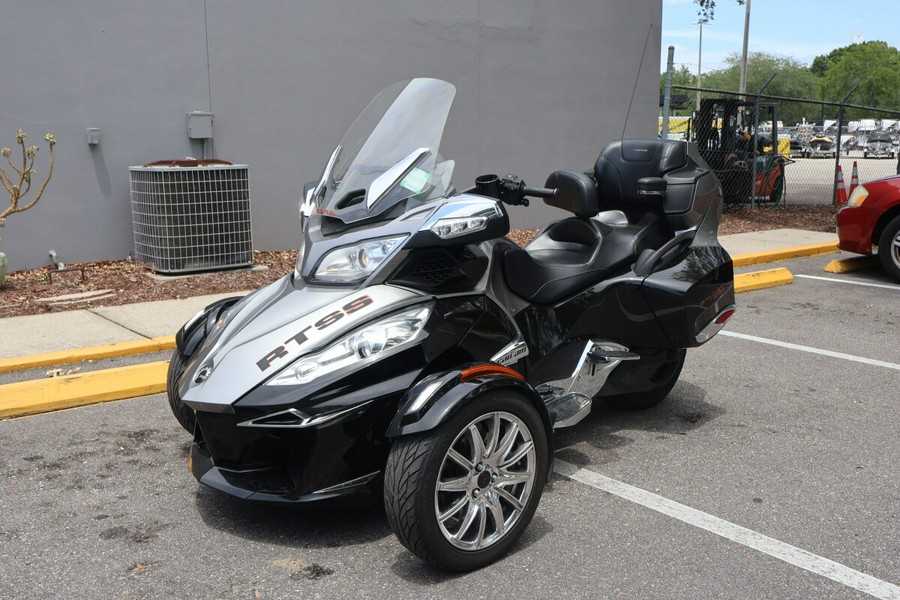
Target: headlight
x=355, y=263
x=860, y=193
x=452, y=227
x=358, y=348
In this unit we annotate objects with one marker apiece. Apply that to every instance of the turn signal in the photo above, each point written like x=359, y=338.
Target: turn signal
x=489, y=369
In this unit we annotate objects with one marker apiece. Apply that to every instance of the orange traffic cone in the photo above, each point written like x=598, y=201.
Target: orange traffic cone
x=841, y=197
x=854, y=179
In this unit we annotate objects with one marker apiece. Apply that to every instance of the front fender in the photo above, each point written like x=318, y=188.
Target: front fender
x=439, y=396
x=192, y=333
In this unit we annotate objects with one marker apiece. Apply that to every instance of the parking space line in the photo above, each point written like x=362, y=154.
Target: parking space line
x=810, y=349
x=790, y=554
x=851, y=281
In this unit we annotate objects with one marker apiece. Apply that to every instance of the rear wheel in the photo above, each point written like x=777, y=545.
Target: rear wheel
x=664, y=380
x=182, y=411
x=459, y=496
x=889, y=248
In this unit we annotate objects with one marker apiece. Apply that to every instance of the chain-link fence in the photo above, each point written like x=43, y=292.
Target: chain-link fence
x=772, y=150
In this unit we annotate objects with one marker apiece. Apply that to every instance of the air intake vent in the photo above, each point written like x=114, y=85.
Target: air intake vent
x=191, y=215
x=426, y=269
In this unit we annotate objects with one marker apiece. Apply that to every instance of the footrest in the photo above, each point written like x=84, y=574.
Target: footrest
x=601, y=355
x=568, y=409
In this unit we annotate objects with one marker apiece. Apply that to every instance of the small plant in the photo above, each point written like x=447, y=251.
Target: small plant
x=18, y=184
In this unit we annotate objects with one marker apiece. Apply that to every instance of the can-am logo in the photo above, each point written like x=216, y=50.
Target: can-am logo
x=324, y=323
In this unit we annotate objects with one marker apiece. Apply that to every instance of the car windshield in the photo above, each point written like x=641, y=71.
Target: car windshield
x=390, y=153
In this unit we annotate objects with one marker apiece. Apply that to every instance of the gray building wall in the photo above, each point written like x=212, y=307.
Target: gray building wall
x=541, y=85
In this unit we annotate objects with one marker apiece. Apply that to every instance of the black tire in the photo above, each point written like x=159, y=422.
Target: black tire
x=777, y=190
x=665, y=379
x=889, y=248
x=473, y=499
x=182, y=411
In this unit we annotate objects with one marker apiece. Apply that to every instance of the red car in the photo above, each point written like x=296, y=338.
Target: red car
x=872, y=218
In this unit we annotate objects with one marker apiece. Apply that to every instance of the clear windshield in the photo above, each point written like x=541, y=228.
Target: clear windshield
x=390, y=153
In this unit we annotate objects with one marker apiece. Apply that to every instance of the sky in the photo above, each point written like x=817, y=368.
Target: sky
x=801, y=29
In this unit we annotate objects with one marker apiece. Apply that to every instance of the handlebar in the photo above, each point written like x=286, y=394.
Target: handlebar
x=511, y=189
x=539, y=192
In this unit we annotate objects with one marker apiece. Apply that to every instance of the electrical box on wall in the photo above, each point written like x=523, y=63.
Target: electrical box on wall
x=200, y=125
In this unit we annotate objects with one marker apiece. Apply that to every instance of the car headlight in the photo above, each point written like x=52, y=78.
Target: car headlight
x=360, y=347
x=355, y=263
x=860, y=193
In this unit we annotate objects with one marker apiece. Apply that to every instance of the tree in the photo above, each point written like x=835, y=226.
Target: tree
x=875, y=66
x=823, y=62
x=793, y=79
x=682, y=77
x=707, y=9
x=19, y=183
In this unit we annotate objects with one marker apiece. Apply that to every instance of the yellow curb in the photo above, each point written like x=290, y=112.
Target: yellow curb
x=758, y=280
x=846, y=265
x=70, y=391
x=63, y=357
x=759, y=258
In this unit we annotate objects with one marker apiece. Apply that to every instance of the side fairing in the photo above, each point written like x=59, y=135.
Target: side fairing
x=272, y=330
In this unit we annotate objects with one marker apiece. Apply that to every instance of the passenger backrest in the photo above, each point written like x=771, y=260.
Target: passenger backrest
x=623, y=162
x=691, y=185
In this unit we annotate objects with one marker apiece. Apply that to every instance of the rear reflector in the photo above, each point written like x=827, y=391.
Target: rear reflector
x=716, y=325
x=724, y=316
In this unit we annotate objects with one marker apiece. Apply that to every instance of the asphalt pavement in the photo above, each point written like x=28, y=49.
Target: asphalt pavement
x=769, y=472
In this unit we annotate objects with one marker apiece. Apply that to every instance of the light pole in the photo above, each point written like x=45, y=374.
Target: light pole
x=743, y=83
x=701, y=23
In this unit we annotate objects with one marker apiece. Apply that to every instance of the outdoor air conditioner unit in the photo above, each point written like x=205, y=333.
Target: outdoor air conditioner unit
x=191, y=215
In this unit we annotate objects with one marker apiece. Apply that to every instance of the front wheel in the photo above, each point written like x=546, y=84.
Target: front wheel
x=889, y=248
x=182, y=411
x=460, y=495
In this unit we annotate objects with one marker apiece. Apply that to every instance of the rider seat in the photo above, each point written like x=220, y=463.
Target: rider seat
x=571, y=254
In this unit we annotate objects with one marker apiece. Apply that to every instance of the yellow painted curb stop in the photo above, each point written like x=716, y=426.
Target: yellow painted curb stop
x=65, y=357
x=760, y=258
x=70, y=391
x=758, y=280
x=846, y=265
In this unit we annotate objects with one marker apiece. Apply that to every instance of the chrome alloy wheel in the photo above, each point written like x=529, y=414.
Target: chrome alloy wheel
x=485, y=480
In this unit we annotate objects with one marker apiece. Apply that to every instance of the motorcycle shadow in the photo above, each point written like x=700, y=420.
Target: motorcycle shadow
x=307, y=528
x=414, y=571
x=294, y=527
x=598, y=439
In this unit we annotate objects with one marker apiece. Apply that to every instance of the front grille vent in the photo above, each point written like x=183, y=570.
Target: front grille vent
x=426, y=269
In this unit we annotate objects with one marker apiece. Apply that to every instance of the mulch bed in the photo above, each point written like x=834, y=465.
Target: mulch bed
x=125, y=282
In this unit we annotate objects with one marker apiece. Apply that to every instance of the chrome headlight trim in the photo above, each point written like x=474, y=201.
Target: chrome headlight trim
x=360, y=347
x=352, y=264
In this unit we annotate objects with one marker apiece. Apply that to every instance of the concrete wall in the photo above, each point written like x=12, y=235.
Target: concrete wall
x=541, y=85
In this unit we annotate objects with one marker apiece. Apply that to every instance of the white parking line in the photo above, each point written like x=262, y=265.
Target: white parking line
x=790, y=346
x=747, y=537
x=850, y=281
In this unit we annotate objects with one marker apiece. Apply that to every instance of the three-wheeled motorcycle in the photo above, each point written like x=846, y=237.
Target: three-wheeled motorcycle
x=417, y=355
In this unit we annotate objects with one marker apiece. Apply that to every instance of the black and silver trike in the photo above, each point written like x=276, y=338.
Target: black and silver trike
x=417, y=355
